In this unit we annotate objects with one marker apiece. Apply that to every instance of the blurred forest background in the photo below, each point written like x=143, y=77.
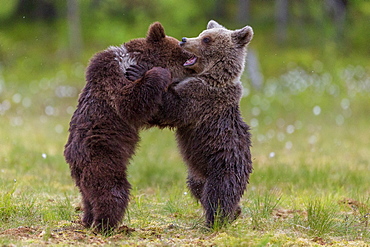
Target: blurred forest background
x=45, y=44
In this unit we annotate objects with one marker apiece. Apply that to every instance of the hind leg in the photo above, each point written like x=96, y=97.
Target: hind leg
x=103, y=182
x=109, y=206
x=107, y=199
x=221, y=198
x=196, y=186
x=88, y=216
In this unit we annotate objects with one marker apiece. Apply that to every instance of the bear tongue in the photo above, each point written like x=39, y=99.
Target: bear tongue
x=191, y=61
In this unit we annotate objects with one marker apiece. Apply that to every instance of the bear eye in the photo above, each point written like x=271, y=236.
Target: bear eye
x=206, y=40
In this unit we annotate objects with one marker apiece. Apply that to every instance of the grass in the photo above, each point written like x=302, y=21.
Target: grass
x=320, y=217
x=310, y=182
x=261, y=208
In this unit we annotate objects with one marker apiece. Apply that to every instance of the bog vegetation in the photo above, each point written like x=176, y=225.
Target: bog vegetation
x=309, y=114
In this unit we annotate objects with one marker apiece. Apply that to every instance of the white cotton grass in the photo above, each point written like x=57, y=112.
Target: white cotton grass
x=59, y=128
x=49, y=110
x=254, y=122
x=316, y=110
x=339, y=120
x=17, y=98
x=345, y=103
x=288, y=145
x=290, y=129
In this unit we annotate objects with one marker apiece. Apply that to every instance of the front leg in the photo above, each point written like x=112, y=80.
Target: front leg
x=143, y=97
x=182, y=104
x=137, y=71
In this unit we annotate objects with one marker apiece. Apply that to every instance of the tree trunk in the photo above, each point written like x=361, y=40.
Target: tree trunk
x=337, y=8
x=281, y=17
x=74, y=28
x=220, y=9
x=36, y=10
x=243, y=12
x=253, y=68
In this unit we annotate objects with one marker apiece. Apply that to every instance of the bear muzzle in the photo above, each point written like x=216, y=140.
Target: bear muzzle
x=185, y=44
x=183, y=41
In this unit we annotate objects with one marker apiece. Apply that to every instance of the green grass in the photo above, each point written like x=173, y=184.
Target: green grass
x=309, y=185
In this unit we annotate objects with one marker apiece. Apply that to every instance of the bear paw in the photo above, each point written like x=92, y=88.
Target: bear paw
x=137, y=71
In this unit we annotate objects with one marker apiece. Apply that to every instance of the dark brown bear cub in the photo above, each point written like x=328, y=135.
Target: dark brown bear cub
x=204, y=109
x=104, y=129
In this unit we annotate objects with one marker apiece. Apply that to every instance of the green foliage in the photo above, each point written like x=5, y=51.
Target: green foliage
x=261, y=208
x=320, y=217
x=7, y=207
x=15, y=211
x=7, y=7
x=59, y=210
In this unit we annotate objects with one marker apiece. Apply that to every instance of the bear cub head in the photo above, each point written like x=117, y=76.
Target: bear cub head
x=218, y=51
x=159, y=50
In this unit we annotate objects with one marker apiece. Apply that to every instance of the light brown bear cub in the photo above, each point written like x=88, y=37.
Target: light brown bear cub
x=213, y=138
x=204, y=109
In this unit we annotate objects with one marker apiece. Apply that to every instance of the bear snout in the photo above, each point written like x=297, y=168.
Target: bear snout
x=183, y=41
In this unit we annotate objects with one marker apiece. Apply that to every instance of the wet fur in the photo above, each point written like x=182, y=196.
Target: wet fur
x=104, y=129
x=211, y=134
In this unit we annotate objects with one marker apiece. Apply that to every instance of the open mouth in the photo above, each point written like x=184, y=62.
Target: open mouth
x=191, y=61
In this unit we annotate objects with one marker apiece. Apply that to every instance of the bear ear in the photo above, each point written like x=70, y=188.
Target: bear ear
x=213, y=24
x=242, y=36
x=156, y=32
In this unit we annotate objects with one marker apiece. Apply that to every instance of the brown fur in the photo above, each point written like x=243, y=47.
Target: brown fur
x=111, y=110
x=204, y=109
